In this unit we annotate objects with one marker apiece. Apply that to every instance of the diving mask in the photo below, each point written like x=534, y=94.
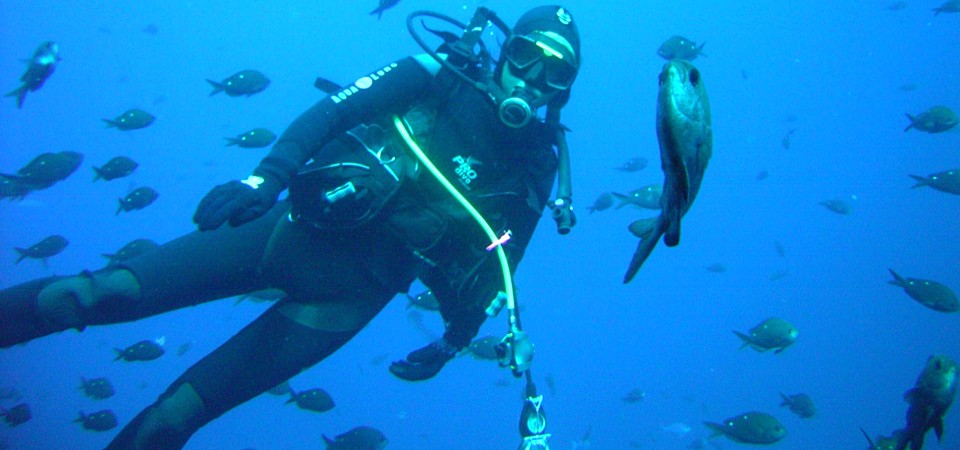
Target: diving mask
x=540, y=61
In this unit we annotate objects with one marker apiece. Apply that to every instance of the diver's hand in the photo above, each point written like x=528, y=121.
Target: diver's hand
x=424, y=363
x=237, y=201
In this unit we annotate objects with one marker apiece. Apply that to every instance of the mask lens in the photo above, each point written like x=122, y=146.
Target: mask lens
x=560, y=74
x=522, y=51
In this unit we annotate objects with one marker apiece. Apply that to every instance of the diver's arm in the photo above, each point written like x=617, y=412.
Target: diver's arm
x=392, y=88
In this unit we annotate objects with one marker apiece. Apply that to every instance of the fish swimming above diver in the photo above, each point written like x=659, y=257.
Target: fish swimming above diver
x=686, y=144
x=40, y=67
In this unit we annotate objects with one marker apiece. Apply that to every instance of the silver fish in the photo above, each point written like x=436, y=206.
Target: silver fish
x=686, y=144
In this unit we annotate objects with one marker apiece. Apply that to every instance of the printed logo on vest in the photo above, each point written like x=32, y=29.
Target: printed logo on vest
x=464, y=171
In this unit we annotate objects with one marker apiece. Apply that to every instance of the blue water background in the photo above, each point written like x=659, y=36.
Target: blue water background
x=832, y=71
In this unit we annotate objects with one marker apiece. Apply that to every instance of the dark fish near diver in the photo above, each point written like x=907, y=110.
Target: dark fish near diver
x=750, y=428
x=243, y=83
x=140, y=198
x=799, y=404
x=97, y=388
x=383, y=6
x=772, y=334
x=117, y=167
x=130, y=250
x=686, y=144
x=947, y=181
x=17, y=415
x=929, y=293
x=358, y=438
x=255, y=138
x=47, y=169
x=603, y=202
x=49, y=246
x=40, y=68
x=141, y=351
x=317, y=400
x=679, y=47
x=929, y=400
x=647, y=197
x=634, y=165
x=950, y=6
x=937, y=119
x=131, y=119
x=99, y=421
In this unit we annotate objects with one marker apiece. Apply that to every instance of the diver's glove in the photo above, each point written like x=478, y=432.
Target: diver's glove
x=424, y=363
x=242, y=201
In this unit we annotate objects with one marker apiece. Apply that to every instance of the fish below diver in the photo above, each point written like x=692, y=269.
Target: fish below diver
x=686, y=144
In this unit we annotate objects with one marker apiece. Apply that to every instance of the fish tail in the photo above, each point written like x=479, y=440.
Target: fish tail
x=217, y=87
x=119, y=209
x=716, y=427
x=746, y=339
x=624, y=199
x=644, y=248
x=700, y=49
x=119, y=354
x=97, y=173
x=232, y=141
x=897, y=279
x=20, y=93
x=81, y=419
x=921, y=181
x=913, y=120
x=786, y=400
x=22, y=252
x=110, y=123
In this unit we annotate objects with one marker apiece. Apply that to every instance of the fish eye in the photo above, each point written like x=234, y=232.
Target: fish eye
x=694, y=77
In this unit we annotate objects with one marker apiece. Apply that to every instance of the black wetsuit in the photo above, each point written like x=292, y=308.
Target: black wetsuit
x=507, y=174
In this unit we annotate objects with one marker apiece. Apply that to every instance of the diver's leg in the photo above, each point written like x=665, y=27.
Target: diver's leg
x=192, y=269
x=18, y=313
x=264, y=354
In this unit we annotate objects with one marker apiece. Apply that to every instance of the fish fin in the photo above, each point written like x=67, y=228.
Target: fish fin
x=643, y=228
x=98, y=173
x=872, y=445
x=20, y=93
x=897, y=279
x=22, y=252
x=786, y=400
x=119, y=354
x=913, y=121
x=120, y=208
x=293, y=397
x=110, y=123
x=716, y=427
x=327, y=440
x=938, y=427
x=700, y=49
x=671, y=236
x=644, y=248
x=232, y=141
x=746, y=339
x=779, y=350
x=217, y=87
x=81, y=419
x=624, y=199
x=921, y=181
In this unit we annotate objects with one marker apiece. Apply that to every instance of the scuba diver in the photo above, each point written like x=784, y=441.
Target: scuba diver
x=369, y=171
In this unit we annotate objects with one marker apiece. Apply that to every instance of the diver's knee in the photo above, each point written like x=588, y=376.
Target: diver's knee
x=88, y=298
x=169, y=422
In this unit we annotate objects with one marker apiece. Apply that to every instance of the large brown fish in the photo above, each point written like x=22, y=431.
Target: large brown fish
x=686, y=144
